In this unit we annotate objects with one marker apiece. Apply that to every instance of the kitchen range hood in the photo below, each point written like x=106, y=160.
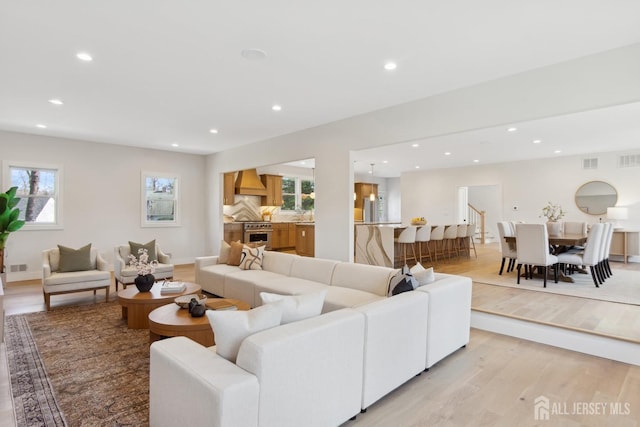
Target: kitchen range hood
x=248, y=183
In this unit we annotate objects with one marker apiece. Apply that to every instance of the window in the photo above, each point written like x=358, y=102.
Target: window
x=297, y=193
x=39, y=192
x=160, y=206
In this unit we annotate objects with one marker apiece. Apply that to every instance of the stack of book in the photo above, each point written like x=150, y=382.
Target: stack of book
x=172, y=287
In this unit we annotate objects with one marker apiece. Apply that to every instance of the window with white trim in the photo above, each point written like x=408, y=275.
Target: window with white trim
x=39, y=192
x=297, y=194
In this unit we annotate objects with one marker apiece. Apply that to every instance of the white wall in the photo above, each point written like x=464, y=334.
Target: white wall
x=394, y=200
x=102, y=198
x=529, y=185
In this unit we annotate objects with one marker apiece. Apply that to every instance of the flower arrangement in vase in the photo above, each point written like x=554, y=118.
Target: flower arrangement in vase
x=553, y=213
x=145, y=279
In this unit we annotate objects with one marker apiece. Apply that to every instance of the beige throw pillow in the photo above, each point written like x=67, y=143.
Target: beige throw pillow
x=235, y=253
x=296, y=307
x=223, y=258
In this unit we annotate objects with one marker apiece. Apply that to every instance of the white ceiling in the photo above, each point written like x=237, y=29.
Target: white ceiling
x=166, y=71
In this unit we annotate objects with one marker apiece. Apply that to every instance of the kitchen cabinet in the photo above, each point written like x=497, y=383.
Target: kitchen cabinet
x=362, y=191
x=305, y=239
x=292, y=235
x=273, y=184
x=280, y=236
x=233, y=232
x=228, y=196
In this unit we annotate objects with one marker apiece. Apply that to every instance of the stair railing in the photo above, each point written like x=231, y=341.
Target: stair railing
x=477, y=217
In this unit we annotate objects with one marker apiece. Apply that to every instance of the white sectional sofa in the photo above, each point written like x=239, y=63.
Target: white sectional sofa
x=319, y=371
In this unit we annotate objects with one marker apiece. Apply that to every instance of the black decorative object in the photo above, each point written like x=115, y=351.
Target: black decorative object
x=144, y=283
x=198, y=310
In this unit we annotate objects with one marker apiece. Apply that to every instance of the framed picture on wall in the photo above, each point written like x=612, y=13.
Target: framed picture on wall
x=160, y=199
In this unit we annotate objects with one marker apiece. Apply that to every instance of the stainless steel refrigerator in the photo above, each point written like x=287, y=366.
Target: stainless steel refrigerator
x=370, y=210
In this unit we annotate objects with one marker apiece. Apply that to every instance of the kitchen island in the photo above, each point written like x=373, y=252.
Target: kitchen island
x=374, y=243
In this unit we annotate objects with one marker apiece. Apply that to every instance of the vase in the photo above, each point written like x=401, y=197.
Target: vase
x=144, y=283
x=554, y=228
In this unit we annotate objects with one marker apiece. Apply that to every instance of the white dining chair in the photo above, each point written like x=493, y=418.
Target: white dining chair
x=590, y=256
x=607, y=250
x=451, y=240
x=532, y=249
x=463, y=247
x=575, y=227
x=508, y=249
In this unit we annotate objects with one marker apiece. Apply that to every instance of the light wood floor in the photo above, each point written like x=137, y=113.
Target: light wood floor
x=493, y=381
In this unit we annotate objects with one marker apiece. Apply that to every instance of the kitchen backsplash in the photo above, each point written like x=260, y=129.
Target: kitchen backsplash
x=247, y=208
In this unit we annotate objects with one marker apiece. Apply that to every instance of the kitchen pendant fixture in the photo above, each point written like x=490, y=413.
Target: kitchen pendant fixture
x=372, y=195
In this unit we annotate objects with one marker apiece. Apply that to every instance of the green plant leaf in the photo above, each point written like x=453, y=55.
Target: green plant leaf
x=12, y=192
x=15, y=225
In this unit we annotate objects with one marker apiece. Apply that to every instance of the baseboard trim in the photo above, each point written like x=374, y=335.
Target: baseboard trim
x=570, y=339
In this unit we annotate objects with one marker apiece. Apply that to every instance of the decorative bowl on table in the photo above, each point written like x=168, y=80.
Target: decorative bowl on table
x=183, y=300
x=418, y=221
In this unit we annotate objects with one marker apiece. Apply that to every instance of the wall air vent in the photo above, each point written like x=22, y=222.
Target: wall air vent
x=629, y=161
x=591, y=163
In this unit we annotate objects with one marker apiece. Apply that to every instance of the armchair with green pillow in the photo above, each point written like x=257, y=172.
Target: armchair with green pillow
x=126, y=274
x=66, y=270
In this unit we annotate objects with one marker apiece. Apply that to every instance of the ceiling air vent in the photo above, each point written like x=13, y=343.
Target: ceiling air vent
x=629, y=161
x=591, y=163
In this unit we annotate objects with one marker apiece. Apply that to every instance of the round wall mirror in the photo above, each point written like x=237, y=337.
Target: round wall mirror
x=595, y=197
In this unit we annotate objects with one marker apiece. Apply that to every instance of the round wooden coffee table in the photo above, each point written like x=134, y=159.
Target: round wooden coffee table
x=136, y=305
x=171, y=321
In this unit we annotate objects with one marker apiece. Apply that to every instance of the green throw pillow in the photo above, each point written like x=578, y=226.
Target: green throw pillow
x=150, y=247
x=75, y=259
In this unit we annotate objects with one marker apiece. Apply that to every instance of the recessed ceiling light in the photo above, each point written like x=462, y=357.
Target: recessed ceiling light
x=276, y=108
x=213, y=130
x=558, y=151
x=390, y=66
x=175, y=144
x=447, y=153
x=56, y=101
x=417, y=167
x=512, y=129
x=476, y=161
x=415, y=145
x=41, y=126
x=385, y=161
x=537, y=141
x=83, y=56
x=253, y=54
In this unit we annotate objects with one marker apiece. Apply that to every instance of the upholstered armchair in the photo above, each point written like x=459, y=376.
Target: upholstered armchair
x=126, y=274
x=55, y=280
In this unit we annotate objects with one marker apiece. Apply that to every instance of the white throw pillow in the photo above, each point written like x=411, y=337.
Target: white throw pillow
x=296, y=307
x=424, y=276
x=232, y=327
x=252, y=258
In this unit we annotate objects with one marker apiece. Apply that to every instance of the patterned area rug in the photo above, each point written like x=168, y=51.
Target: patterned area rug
x=97, y=367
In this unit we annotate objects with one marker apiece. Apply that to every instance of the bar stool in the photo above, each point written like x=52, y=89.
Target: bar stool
x=471, y=231
x=437, y=235
x=423, y=235
x=463, y=230
x=451, y=239
x=407, y=237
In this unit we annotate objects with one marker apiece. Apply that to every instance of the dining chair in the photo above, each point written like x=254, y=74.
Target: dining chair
x=602, y=268
x=463, y=230
x=437, y=235
x=607, y=250
x=508, y=249
x=407, y=237
x=533, y=251
x=423, y=238
x=590, y=256
x=575, y=227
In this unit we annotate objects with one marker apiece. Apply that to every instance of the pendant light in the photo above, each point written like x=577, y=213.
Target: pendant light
x=372, y=195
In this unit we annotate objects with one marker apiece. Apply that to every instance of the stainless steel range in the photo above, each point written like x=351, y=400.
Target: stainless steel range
x=258, y=232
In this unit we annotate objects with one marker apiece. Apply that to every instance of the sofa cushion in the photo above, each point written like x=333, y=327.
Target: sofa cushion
x=278, y=262
x=149, y=246
x=314, y=269
x=286, y=286
x=75, y=259
x=252, y=258
x=363, y=277
x=338, y=297
x=240, y=284
x=232, y=327
x=296, y=307
x=75, y=277
x=235, y=253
